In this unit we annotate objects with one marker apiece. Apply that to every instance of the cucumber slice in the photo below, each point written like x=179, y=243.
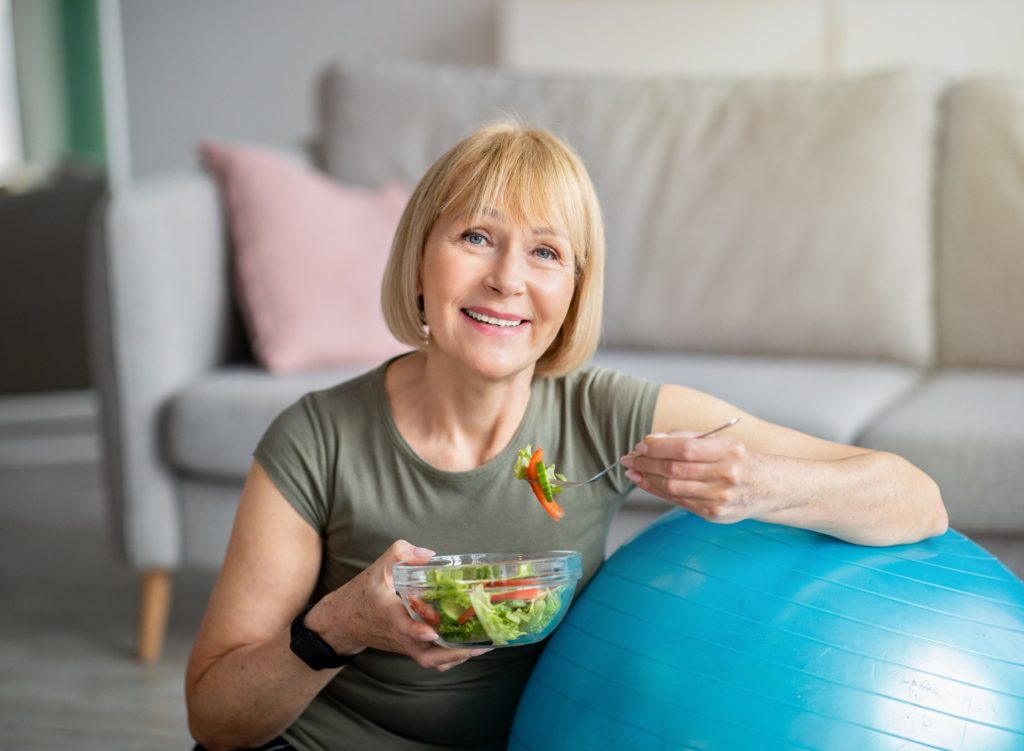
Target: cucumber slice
x=545, y=483
x=450, y=608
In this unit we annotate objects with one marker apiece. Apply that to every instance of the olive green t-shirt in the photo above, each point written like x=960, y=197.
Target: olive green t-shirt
x=338, y=458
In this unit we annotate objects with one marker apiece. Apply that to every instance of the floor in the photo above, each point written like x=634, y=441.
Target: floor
x=68, y=679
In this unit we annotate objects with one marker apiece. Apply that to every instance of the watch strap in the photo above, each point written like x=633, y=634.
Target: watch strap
x=312, y=649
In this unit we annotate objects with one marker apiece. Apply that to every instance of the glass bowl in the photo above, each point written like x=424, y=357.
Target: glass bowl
x=490, y=599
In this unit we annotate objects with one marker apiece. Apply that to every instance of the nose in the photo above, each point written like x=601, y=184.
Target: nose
x=506, y=275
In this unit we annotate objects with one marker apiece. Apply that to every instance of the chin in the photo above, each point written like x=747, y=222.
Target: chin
x=499, y=369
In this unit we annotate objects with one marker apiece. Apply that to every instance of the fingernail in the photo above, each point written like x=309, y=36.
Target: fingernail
x=633, y=476
x=626, y=461
x=423, y=552
x=428, y=635
x=482, y=651
x=641, y=448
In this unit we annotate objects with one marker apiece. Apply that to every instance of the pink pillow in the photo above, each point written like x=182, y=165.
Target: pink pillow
x=309, y=257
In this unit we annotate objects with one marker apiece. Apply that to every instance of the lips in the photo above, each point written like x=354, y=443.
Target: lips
x=494, y=318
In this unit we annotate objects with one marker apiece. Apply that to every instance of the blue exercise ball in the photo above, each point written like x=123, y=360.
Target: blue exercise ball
x=755, y=636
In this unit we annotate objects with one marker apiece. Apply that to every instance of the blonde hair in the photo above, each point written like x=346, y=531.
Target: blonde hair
x=534, y=177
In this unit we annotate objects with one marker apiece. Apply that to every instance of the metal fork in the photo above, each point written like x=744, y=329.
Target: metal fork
x=610, y=467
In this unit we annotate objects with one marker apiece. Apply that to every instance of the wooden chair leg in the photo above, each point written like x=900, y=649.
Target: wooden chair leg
x=154, y=605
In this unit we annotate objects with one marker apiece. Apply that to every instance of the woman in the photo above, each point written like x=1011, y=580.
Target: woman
x=495, y=278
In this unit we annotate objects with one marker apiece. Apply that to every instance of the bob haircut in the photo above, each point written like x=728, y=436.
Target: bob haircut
x=535, y=178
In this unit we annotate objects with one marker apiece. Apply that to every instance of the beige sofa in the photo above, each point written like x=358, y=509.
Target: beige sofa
x=841, y=256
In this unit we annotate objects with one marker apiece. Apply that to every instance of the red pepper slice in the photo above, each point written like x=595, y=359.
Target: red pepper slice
x=424, y=610
x=517, y=594
x=531, y=593
x=531, y=469
x=553, y=509
x=518, y=582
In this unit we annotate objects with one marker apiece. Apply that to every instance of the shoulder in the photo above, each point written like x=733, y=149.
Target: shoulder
x=601, y=396
x=362, y=389
x=316, y=412
x=595, y=382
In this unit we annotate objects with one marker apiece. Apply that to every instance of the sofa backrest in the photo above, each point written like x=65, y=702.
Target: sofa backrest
x=785, y=218
x=980, y=225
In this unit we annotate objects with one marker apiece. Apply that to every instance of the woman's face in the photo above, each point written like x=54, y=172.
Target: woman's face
x=495, y=291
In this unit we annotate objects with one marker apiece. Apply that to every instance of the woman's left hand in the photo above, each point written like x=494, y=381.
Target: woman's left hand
x=715, y=477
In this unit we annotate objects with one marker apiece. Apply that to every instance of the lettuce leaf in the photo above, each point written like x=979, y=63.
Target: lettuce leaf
x=452, y=591
x=509, y=620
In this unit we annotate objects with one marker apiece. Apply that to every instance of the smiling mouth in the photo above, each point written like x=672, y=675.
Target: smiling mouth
x=499, y=322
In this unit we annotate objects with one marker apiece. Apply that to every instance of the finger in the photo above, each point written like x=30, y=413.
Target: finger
x=694, y=492
x=685, y=449
x=424, y=633
x=442, y=658
x=402, y=551
x=407, y=626
x=459, y=656
x=418, y=647
x=694, y=495
x=673, y=468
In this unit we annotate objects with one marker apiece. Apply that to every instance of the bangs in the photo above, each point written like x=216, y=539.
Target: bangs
x=531, y=184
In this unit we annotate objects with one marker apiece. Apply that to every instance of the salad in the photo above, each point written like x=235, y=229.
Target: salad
x=530, y=466
x=469, y=605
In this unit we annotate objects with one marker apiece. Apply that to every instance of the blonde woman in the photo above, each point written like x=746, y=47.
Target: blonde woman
x=494, y=281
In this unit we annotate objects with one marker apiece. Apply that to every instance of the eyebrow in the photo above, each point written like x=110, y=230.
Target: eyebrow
x=542, y=230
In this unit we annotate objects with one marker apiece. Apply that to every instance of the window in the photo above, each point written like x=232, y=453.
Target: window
x=11, y=155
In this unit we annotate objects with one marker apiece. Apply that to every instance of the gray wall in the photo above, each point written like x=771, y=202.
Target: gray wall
x=247, y=69
x=233, y=69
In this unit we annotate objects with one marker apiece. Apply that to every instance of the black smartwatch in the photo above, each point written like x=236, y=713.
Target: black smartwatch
x=313, y=650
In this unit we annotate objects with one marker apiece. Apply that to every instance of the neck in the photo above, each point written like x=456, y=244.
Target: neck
x=454, y=420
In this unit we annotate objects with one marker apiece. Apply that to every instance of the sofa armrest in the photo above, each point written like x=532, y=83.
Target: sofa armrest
x=160, y=314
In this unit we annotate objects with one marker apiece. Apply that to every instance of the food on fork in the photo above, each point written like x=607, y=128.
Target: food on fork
x=530, y=466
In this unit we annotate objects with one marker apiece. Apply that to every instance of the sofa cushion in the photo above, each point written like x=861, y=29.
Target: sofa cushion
x=784, y=218
x=309, y=257
x=832, y=399
x=965, y=428
x=213, y=425
x=981, y=225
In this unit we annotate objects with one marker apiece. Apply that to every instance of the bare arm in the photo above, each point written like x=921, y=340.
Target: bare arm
x=244, y=685
x=757, y=470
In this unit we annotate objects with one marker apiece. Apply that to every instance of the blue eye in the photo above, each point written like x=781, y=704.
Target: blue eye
x=547, y=254
x=474, y=238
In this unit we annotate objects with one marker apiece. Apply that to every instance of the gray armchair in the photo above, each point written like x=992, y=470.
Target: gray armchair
x=182, y=402
x=160, y=313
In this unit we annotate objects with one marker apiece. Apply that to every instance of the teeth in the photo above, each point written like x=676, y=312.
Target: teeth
x=493, y=321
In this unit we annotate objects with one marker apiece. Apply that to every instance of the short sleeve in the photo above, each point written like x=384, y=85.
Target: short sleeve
x=618, y=410
x=293, y=453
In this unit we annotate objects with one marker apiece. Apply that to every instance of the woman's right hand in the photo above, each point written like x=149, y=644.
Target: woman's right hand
x=366, y=612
